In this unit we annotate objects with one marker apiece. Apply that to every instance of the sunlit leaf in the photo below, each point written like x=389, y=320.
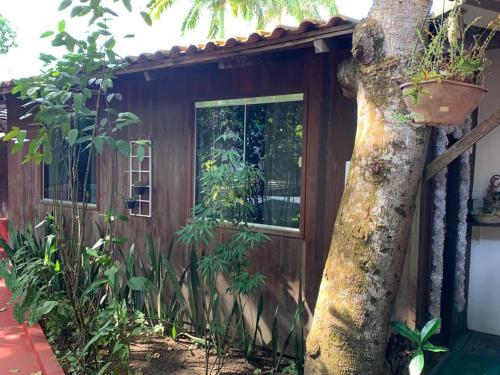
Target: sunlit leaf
x=417, y=362
x=61, y=26
x=429, y=329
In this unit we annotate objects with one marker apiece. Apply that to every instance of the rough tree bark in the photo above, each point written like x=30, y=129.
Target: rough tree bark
x=362, y=272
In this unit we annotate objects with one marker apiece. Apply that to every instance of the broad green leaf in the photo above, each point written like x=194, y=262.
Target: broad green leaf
x=47, y=307
x=140, y=284
x=46, y=58
x=78, y=101
x=434, y=348
x=72, y=136
x=12, y=134
x=405, y=331
x=417, y=362
x=96, y=284
x=64, y=4
x=61, y=26
x=127, y=5
x=429, y=329
x=112, y=276
x=147, y=18
x=80, y=11
x=140, y=153
x=104, y=368
x=123, y=147
x=47, y=34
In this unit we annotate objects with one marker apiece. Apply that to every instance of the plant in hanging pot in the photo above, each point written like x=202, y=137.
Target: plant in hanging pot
x=140, y=188
x=446, y=76
x=130, y=202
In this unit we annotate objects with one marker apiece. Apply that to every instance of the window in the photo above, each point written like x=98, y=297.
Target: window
x=269, y=137
x=56, y=176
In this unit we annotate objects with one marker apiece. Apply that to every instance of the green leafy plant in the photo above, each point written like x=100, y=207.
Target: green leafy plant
x=74, y=104
x=448, y=54
x=35, y=276
x=7, y=36
x=420, y=342
x=296, y=335
x=221, y=241
x=259, y=10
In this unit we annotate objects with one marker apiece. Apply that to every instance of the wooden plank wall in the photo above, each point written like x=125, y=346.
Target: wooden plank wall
x=4, y=198
x=166, y=107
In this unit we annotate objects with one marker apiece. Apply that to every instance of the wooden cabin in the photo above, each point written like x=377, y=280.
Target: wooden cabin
x=289, y=71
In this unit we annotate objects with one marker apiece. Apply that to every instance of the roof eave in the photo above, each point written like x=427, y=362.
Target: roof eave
x=266, y=45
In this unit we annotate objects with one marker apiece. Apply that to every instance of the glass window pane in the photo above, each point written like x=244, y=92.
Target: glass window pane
x=274, y=144
x=211, y=123
x=270, y=138
x=56, y=177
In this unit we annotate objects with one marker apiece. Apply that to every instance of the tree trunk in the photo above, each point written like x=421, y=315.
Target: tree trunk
x=362, y=272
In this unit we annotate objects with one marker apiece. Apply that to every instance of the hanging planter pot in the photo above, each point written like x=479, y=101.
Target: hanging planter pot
x=130, y=203
x=140, y=188
x=439, y=102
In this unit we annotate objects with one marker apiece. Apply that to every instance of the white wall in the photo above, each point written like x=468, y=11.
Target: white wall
x=483, y=312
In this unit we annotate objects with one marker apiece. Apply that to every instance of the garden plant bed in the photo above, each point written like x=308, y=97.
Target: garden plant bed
x=167, y=356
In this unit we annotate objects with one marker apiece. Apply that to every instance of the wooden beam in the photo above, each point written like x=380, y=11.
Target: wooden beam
x=244, y=61
x=462, y=145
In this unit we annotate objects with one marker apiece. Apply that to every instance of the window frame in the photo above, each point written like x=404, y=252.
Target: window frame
x=66, y=203
x=248, y=100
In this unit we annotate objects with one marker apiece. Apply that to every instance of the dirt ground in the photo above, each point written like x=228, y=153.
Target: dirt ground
x=166, y=356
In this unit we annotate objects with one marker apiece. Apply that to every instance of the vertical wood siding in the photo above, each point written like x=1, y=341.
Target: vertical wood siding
x=166, y=107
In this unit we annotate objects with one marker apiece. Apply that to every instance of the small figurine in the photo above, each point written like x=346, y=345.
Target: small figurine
x=489, y=213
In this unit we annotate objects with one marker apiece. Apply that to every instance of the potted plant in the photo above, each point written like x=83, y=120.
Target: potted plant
x=140, y=188
x=446, y=77
x=130, y=203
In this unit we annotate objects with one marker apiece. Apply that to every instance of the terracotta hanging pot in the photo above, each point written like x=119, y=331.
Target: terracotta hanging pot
x=443, y=102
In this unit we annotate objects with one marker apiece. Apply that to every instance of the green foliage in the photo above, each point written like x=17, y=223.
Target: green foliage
x=74, y=103
x=420, y=342
x=227, y=183
x=295, y=335
x=447, y=54
x=35, y=278
x=260, y=11
x=40, y=293
x=7, y=36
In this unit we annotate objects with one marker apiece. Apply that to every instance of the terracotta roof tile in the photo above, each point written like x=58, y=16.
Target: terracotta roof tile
x=235, y=41
x=239, y=42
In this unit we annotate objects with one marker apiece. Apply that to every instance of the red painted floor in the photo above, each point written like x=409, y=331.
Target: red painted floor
x=16, y=353
x=24, y=350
